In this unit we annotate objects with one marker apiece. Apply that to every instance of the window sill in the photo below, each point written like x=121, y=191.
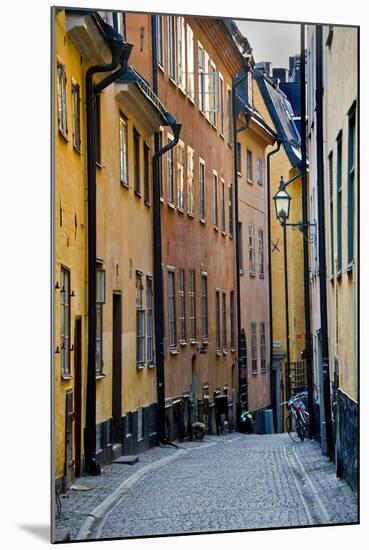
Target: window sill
x=230, y=236
x=100, y=376
x=339, y=275
x=183, y=343
x=252, y=273
x=225, y=352
x=162, y=200
x=331, y=278
x=239, y=174
x=193, y=342
x=263, y=371
x=350, y=268
x=151, y=366
x=202, y=220
x=260, y=183
x=174, y=352
x=138, y=194
x=147, y=204
x=77, y=150
x=261, y=275
x=221, y=135
x=254, y=372
x=224, y=233
x=205, y=341
x=123, y=184
x=190, y=215
x=140, y=366
x=242, y=272
x=219, y=353
x=66, y=377
x=182, y=90
x=172, y=80
x=180, y=210
x=215, y=228
x=99, y=165
x=192, y=100
x=171, y=205
x=230, y=144
x=232, y=350
x=161, y=68
x=250, y=181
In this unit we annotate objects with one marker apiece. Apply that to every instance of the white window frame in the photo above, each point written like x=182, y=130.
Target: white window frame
x=229, y=116
x=252, y=267
x=230, y=210
x=202, y=190
x=172, y=48
x=259, y=169
x=159, y=40
x=254, y=347
x=224, y=321
x=181, y=54
x=261, y=251
x=182, y=306
x=190, y=180
x=262, y=346
x=149, y=321
x=170, y=172
x=217, y=320
x=76, y=115
x=172, y=321
x=140, y=322
x=223, y=213
x=204, y=307
x=181, y=176
x=192, y=306
x=123, y=149
x=215, y=200
x=249, y=167
x=201, y=77
x=62, y=98
x=65, y=322
x=221, y=104
x=190, y=84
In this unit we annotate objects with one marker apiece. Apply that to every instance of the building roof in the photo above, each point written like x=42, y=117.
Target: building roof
x=282, y=115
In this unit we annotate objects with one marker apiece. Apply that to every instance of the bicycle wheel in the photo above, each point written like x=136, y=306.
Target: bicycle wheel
x=294, y=429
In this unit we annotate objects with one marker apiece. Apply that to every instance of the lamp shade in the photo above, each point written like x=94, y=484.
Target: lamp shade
x=282, y=203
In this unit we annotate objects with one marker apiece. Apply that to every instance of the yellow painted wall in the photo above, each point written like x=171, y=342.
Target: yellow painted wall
x=69, y=224
x=341, y=73
x=125, y=243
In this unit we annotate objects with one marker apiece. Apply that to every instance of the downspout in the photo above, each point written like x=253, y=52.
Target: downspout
x=235, y=84
x=158, y=269
x=120, y=53
x=321, y=242
x=308, y=342
x=273, y=152
x=158, y=282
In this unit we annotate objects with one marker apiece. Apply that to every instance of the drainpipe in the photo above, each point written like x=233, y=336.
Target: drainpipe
x=158, y=269
x=321, y=242
x=120, y=54
x=235, y=85
x=309, y=364
x=273, y=152
x=158, y=278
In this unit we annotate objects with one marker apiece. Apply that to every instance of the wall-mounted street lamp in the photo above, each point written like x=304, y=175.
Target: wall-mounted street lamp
x=282, y=201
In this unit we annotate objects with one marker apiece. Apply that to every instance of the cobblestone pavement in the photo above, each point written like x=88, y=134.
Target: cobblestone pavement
x=234, y=481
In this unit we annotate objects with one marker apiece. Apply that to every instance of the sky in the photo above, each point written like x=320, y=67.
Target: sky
x=273, y=42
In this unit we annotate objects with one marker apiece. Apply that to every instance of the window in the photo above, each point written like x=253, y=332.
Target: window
x=254, y=350
x=201, y=71
x=123, y=149
x=221, y=104
x=249, y=89
x=249, y=166
x=339, y=203
x=170, y=172
x=172, y=310
x=259, y=167
x=182, y=306
x=146, y=174
x=230, y=209
x=119, y=23
x=76, y=116
x=262, y=346
x=98, y=129
x=140, y=322
x=65, y=322
x=224, y=321
x=62, y=99
x=100, y=300
x=159, y=39
x=217, y=320
x=350, y=189
x=192, y=301
x=204, y=307
x=229, y=115
x=331, y=220
x=190, y=64
x=240, y=246
x=215, y=200
x=213, y=92
x=223, y=206
x=180, y=175
x=252, y=249
x=261, y=252
x=239, y=163
x=150, y=323
x=202, y=190
x=136, y=160
x=231, y=301
x=181, y=52
x=172, y=47
x=190, y=203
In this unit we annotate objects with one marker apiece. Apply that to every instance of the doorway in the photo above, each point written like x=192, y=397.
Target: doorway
x=78, y=394
x=117, y=369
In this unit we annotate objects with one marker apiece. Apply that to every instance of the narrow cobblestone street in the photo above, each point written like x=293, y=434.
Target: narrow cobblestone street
x=229, y=482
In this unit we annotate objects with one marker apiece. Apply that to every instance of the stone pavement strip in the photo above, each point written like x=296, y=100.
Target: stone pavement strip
x=234, y=481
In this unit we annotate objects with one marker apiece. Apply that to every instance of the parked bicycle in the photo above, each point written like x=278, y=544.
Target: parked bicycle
x=297, y=421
